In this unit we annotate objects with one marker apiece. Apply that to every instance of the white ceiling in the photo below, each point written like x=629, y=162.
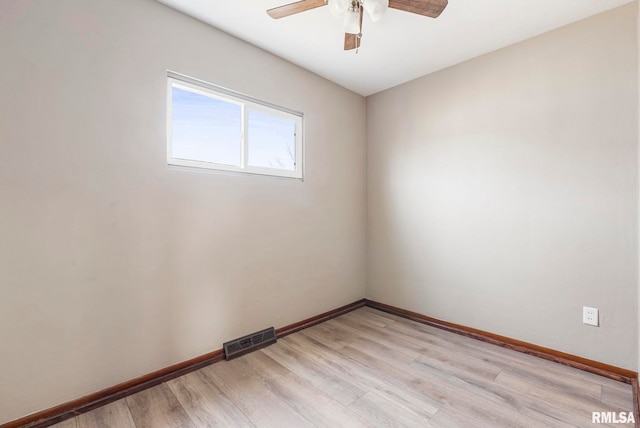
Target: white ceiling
x=400, y=47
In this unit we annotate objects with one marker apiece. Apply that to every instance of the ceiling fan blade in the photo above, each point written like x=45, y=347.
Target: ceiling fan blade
x=430, y=8
x=353, y=41
x=293, y=8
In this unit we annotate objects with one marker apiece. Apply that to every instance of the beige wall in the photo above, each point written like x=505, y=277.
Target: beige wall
x=113, y=265
x=502, y=192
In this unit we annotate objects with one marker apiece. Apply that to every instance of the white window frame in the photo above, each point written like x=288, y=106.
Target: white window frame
x=245, y=102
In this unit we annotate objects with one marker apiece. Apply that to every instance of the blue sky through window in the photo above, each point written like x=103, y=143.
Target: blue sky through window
x=271, y=141
x=205, y=129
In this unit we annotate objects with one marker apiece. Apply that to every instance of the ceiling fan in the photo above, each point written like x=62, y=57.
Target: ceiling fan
x=354, y=11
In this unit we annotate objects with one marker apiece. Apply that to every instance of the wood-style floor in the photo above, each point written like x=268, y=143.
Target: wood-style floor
x=369, y=368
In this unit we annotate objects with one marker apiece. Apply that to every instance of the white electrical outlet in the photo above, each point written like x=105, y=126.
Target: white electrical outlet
x=590, y=316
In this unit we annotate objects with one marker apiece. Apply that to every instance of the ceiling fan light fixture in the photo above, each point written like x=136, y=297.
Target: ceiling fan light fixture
x=354, y=11
x=338, y=7
x=352, y=21
x=375, y=8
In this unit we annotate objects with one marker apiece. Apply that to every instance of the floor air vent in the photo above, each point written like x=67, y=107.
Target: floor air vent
x=245, y=344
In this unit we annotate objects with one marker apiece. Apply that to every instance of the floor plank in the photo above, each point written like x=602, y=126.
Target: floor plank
x=247, y=391
x=381, y=412
x=617, y=397
x=317, y=407
x=332, y=334
x=158, y=407
x=330, y=380
x=113, y=415
x=205, y=403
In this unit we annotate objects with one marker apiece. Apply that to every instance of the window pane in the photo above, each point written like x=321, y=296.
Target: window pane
x=205, y=129
x=272, y=141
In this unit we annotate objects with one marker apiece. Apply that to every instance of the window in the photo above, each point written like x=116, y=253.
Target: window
x=215, y=128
